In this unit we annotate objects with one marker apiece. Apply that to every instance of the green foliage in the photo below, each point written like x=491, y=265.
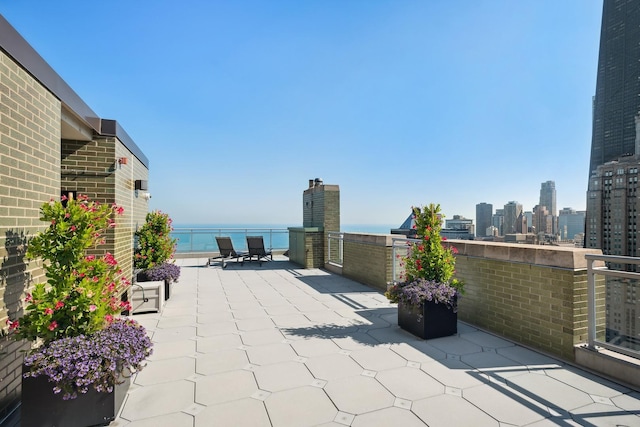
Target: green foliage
x=428, y=260
x=155, y=244
x=81, y=294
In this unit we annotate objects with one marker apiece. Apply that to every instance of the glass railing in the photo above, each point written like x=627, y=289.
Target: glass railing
x=400, y=249
x=194, y=240
x=614, y=304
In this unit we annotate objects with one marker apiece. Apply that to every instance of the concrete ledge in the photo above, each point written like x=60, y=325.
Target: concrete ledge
x=371, y=238
x=614, y=365
x=541, y=255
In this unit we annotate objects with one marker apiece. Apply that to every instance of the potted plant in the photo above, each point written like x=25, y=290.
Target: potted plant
x=153, y=249
x=428, y=295
x=76, y=373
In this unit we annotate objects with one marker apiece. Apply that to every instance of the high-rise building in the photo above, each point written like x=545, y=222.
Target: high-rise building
x=612, y=202
x=483, y=218
x=512, y=211
x=616, y=101
x=570, y=223
x=548, y=199
x=497, y=221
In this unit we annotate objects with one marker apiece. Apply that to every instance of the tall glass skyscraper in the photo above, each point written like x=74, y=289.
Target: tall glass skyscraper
x=548, y=199
x=617, y=99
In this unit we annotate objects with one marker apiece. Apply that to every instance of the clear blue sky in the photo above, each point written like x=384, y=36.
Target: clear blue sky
x=238, y=104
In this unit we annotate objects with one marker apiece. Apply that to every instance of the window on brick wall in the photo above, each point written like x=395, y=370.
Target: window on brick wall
x=69, y=194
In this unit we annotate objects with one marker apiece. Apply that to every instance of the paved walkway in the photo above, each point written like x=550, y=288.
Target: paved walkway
x=276, y=345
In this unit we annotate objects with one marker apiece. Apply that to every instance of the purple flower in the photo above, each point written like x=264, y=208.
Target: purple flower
x=166, y=270
x=73, y=364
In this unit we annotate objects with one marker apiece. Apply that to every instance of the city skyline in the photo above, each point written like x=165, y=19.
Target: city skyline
x=400, y=104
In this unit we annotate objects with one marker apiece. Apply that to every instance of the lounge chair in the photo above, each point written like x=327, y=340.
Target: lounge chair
x=256, y=249
x=225, y=246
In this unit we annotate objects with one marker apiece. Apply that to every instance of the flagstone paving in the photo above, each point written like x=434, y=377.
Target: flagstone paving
x=276, y=345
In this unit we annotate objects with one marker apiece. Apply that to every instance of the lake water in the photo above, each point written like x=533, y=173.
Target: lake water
x=201, y=238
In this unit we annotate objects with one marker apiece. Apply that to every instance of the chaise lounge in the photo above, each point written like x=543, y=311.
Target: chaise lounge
x=255, y=244
x=225, y=246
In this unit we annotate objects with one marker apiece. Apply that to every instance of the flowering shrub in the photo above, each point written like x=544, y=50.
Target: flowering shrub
x=73, y=364
x=155, y=244
x=164, y=271
x=81, y=294
x=430, y=266
x=72, y=316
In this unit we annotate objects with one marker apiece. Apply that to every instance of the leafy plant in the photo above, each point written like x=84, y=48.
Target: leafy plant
x=429, y=266
x=82, y=292
x=73, y=364
x=155, y=244
x=71, y=318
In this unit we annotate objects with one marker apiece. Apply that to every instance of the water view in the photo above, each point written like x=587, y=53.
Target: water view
x=202, y=238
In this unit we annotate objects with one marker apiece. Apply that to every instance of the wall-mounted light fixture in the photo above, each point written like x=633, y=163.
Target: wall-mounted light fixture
x=141, y=184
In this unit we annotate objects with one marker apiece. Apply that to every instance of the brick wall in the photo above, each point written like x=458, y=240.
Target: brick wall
x=92, y=168
x=29, y=176
x=367, y=258
x=534, y=295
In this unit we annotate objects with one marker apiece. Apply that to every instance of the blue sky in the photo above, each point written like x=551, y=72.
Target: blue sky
x=238, y=104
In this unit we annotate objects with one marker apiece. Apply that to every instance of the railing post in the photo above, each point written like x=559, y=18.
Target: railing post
x=591, y=304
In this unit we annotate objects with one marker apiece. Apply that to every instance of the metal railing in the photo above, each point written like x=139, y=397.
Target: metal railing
x=400, y=248
x=335, y=247
x=194, y=240
x=620, y=302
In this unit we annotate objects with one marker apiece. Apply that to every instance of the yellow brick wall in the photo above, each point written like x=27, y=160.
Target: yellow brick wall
x=29, y=176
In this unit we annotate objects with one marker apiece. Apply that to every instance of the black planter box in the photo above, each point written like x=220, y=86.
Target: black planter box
x=42, y=408
x=437, y=320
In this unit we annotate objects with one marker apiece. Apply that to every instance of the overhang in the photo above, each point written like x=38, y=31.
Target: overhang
x=79, y=121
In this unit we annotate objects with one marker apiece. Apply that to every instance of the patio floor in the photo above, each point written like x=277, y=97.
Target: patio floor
x=277, y=345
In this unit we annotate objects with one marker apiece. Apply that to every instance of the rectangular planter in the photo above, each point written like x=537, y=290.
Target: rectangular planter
x=147, y=296
x=437, y=320
x=42, y=408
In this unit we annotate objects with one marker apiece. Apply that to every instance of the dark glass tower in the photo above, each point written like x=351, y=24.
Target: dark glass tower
x=617, y=99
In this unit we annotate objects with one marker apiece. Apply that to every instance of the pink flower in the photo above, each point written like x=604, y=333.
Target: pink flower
x=53, y=325
x=59, y=305
x=90, y=257
x=110, y=259
x=28, y=298
x=92, y=308
x=108, y=318
x=48, y=311
x=73, y=228
x=13, y=325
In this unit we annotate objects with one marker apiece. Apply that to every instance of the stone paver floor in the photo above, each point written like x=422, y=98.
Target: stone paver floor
x=277, y=345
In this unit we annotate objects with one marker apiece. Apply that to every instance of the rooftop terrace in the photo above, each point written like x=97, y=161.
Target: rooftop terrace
x=278, y=345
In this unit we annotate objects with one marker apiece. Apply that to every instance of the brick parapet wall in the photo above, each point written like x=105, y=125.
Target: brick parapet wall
x=367, y=258
x=534, y=295
x=29, y=175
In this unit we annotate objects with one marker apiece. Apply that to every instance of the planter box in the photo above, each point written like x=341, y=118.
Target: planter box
x=42, y=408
x=437, y=320
x=142, y=277
x=147, y=296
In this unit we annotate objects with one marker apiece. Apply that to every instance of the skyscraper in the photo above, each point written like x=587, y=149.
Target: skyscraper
x=548, y=200
x=612, y=202
x=512, y=211
x=612, y=205
x=616, y=101
x=483, y=218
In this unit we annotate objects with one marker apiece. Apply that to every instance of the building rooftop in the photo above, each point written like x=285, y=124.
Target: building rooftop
x=277, y=345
